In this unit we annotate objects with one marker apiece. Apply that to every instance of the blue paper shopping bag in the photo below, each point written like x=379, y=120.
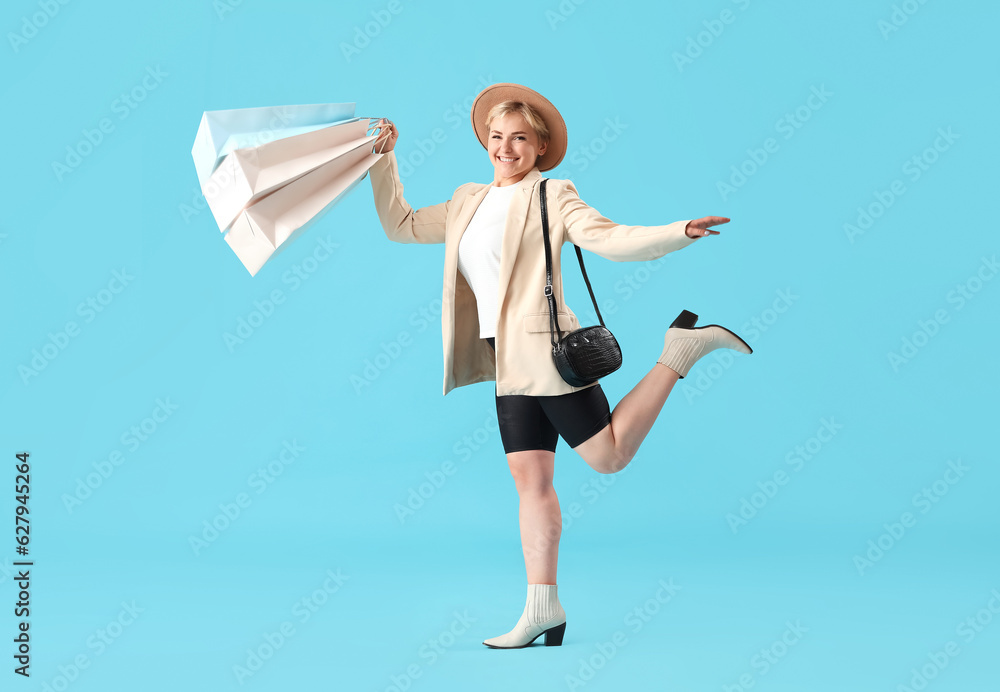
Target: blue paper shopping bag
x=221, y=132
x=269, y=173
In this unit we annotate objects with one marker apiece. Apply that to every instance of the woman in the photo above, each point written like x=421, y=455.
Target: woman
x=495, y=317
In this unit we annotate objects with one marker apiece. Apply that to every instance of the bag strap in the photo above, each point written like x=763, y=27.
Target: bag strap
x=553, y=320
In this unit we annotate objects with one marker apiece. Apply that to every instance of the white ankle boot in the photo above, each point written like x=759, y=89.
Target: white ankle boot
x=684, y=344
x=542, y=614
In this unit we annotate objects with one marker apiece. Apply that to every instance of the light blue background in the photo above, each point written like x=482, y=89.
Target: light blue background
x=848, y=303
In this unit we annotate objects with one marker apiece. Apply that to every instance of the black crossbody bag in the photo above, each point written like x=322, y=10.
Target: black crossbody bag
x=585, y=355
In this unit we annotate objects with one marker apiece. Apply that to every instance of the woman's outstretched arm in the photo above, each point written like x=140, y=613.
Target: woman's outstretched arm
x=400, y=221
x=589, y=229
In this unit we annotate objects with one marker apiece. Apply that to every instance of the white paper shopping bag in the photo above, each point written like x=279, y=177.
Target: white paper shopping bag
x=222, y=132
x=274, y=221
x=247, y=175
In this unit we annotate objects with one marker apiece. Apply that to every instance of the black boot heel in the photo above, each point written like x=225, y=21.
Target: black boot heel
x=554, y=636
x=685, y=320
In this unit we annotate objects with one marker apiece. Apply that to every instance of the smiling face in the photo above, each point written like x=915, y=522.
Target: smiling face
x=513, y=148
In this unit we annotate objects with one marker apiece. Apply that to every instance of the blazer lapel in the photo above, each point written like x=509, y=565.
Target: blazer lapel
x=453, y=235
x=469, y=207
x=517, y=219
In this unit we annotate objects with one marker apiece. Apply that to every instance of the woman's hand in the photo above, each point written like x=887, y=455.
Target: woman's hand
x=387, y=136
x=700, y=227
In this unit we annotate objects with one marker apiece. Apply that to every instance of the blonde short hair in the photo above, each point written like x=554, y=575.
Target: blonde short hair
x=532, y=116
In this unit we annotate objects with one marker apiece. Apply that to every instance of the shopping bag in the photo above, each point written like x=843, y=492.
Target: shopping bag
x=264, y=196
x=273, y=222
x=222, y=132
x=248, y=174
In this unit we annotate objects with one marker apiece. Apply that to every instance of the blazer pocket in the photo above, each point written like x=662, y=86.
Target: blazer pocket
x=539, y=322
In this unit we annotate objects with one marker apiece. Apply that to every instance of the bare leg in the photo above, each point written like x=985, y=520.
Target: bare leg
x=613, y=448
x=538, y=513
x=541, y=526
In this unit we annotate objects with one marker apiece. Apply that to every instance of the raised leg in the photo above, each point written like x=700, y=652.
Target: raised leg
x=613, y=448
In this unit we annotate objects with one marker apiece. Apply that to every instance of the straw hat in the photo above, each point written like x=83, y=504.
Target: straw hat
x=505, y=91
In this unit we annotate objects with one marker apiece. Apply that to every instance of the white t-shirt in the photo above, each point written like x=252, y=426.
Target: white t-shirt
x=479, y=254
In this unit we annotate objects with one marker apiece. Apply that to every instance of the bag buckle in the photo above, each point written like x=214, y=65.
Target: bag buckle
x=548, y=291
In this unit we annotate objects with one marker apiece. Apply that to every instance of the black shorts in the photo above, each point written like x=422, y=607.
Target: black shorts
x=536, y=422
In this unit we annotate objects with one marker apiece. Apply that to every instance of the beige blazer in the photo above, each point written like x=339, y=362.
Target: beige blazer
x=523, y=362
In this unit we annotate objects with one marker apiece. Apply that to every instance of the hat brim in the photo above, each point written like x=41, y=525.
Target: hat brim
x=505, y=91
